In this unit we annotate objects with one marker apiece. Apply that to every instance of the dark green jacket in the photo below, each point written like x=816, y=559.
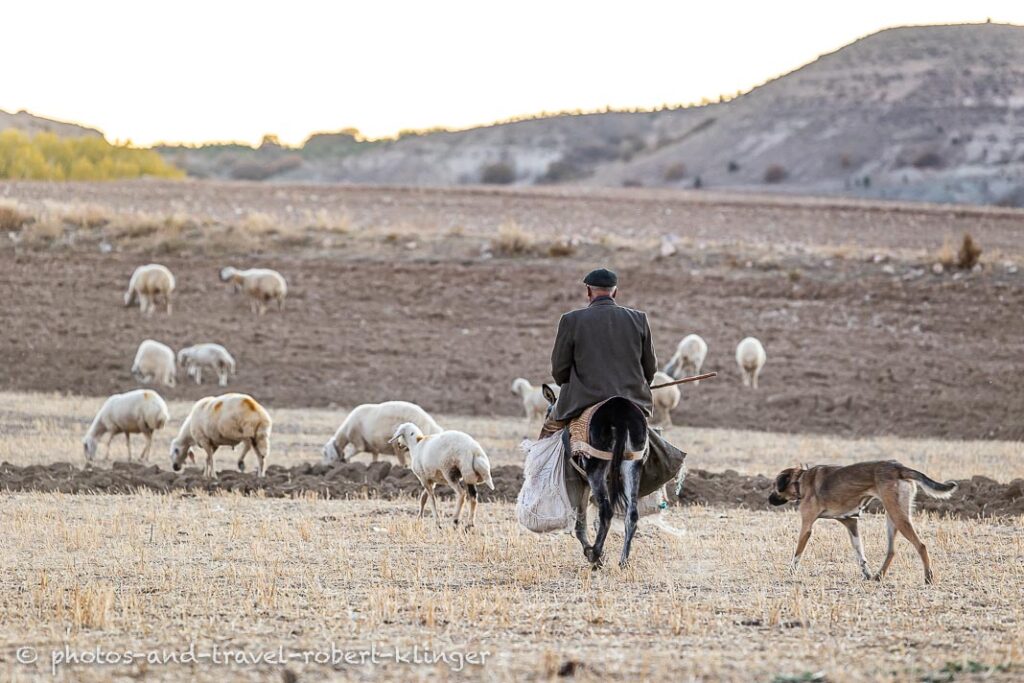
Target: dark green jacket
x=601, y=351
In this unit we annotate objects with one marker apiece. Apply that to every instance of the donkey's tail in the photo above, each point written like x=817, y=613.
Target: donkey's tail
x=616, y=491
x=929, y=485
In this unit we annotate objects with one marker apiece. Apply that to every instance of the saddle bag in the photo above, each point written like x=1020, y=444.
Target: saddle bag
x=543, y=503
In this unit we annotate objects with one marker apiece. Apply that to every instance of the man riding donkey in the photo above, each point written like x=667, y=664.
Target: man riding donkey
x=604, y=360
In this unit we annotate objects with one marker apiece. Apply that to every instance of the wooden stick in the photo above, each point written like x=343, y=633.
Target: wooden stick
x=707, y=375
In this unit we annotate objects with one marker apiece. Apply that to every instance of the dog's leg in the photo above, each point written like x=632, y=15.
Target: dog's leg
x=890, y=532
x=905, y=502
x=858, y=547
x=806, y=523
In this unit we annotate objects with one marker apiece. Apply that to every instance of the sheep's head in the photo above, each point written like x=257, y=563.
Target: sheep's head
x=405, y=434
x=331, y=454
x=227, y=273
x=183, y=357
x=89, y=446
x=179, y=454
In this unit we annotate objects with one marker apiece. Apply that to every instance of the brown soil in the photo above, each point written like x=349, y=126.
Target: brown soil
x=851, y=350
x=976, y=497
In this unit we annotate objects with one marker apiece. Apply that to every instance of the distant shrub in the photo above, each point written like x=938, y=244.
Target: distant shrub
x=561, y=171
x=969, y=253
x=498, y=173
x=732, y=167
x=926, y=160
x=561, y=249
x=12, y=218
x=513, y=240
x=632, y=182
x=47, y=157
x=775, y=174
x=257, y=169
x=698, y=183
x=675, y=172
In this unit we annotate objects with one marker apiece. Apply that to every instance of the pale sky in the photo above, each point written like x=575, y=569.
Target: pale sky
x=194, y=71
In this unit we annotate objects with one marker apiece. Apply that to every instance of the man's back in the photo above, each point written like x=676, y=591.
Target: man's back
x=601, y=351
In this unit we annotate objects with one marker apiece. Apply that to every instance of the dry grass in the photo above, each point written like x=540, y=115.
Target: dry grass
x=12, y=217
x=144, y=572
x=513, y=240
x=44, y=428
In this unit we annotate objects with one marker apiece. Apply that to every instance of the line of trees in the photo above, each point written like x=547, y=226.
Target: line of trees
x=45, y=156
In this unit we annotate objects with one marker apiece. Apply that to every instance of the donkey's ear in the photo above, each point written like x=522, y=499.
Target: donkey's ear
x=548, y=393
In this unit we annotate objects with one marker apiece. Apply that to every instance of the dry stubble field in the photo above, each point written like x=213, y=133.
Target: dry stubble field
x=871, y=356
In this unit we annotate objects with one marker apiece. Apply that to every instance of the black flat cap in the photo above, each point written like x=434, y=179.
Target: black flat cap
x=602, y=277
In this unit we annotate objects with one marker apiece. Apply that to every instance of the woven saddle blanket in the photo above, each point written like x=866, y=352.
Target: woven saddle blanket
x=580, y=436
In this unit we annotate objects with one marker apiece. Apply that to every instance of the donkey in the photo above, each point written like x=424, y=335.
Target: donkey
x=617, y=426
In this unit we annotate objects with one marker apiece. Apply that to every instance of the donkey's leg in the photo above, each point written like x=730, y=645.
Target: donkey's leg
x=631, y=489
x=598, y=477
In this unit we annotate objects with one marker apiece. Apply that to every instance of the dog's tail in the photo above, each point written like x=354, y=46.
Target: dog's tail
x=929, y=485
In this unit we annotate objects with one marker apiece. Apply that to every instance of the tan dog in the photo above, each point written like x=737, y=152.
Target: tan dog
x=842, y=493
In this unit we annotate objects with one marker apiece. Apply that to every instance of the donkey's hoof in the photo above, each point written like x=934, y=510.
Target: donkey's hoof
x=623, y=563
x=592, y=556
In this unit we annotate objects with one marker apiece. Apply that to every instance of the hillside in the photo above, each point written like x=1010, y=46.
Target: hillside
x=922, y=113
x=32, y=124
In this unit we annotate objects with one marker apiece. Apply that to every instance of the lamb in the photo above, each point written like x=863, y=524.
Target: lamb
x=142, y=411
x=454, y=457
x=665, y=400
x=148, y=284
x=688, y=358
x=262, y=285
x=226, y=420
x=534, y=403
x=154, y=362
x=214, y=356
x=750, y=356
x=369, y=428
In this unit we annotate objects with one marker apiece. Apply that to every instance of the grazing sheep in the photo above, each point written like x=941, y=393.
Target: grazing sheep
x=665, y=400
x=688, y=358
x=148, y=284
x=454, y=457
x=214, y=356
x=154, y=362
x=750, y=356
x=142, y=411
x=369, y=428
x=534, y=403
x=226, y=420
x=262, y=285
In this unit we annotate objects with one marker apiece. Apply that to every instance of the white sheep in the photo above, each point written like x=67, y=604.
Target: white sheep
x=154, y=362
x=750, y=356
x=688, y=358
x=665, y=400
x=213, y=356
x=262, y=285
x=148, y=284
x=451, y=456
x=226, y=420
x=369, y=428
x=534, y=403
x=142, y=411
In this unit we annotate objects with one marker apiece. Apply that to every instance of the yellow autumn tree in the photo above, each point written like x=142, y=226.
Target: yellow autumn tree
x=47, y=157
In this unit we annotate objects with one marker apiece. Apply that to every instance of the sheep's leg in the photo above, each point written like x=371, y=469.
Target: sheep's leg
x=753, y=379
x=373, y=456
x=128, y=445
x=460, y=493
x=145, y=451
x=110, y=438
x=241, y=457
x=423, y=502
x=199, y=374
x=261, y=458
x=222, y=376
x=433, y=504
x=471, y=489
x=254, y=306
x=280, y=303
x=208, y=469
x=170, y=304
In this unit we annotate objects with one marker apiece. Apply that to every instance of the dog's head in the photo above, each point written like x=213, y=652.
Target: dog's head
x=787, y=486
